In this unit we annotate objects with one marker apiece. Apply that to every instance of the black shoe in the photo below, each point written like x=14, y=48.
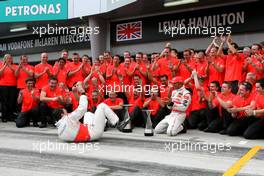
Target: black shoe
x=202, y=126
x=35, y=125
x=223, y=132
x=43, y=125
x=207, y=130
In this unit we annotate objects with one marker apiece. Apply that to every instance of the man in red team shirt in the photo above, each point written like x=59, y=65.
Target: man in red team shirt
x=237, y=107
x=94, y=100
x=254, y=63
x=8, y=87
x=51, y=102
x=197, y=118
x=154, y=71
x=134, y=97
x=219, y=100
x=86, y=66
x=23, y=71
x=213, y=123
x=186, y=65
x=60, y=71
x=43, y=71
x=29, y=97
x=153, y=103
x=216, y=67
x=233, y=63
x=138, y=68
x=113, y=72
x=75, y=73
x=116, y=104
x=166, y=63
x=123, y=76
x=256, y=112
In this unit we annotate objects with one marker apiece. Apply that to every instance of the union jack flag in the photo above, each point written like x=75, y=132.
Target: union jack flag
x=129, y=31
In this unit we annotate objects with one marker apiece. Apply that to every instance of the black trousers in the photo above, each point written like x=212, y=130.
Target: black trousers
x=255, y=130
x=196, y=117
x=8, y=97
x=137, y=117
x=239, y=126
x=214, y=122
x=120, y=113
x=46, y=111
x=227, y=118
x=24, y=118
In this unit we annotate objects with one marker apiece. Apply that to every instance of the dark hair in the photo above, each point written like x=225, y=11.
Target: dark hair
x=166, y=76
x=229, y=85
x=75, y=54
x=261, y=82
x=188, y=50
x=117, y=55
x=30, y=79
x=53, y=78
x=235, y=45
x=61, y=58
x=175, y=50
x=259, y=46
x=85, y=55
x=247, y=85
x=217, y=84
x=140, y=53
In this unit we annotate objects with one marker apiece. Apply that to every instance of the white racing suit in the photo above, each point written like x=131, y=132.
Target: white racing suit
x=172, y=123
x=70, y=129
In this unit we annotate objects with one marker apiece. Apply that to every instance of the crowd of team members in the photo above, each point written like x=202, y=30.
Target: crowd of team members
x=227, y=89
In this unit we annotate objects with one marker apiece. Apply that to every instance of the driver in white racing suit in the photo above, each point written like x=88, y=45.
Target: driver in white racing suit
x=181, y=99
x=70, y=129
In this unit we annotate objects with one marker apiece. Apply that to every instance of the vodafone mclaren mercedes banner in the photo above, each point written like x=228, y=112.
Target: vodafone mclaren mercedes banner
x=48, y=43
x=241, y=18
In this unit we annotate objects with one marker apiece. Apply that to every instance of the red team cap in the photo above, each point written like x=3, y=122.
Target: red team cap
x=177, y=79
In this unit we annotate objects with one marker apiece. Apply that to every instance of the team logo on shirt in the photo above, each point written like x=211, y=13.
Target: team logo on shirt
x=129, y=31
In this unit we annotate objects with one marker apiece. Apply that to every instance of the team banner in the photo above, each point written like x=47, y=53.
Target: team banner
x=201, y=23
x=48, y=43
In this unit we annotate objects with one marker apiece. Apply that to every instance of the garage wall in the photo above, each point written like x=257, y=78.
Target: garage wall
x=180, y=45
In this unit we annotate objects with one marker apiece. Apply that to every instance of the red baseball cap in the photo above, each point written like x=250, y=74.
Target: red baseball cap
x=177, y=79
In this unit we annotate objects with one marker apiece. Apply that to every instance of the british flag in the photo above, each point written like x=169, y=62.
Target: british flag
x=129, y=31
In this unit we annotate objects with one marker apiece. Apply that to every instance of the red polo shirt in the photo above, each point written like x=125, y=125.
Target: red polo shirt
x=28, y=102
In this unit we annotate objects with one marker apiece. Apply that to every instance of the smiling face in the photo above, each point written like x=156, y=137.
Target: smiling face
x=44, y=57
x=75, y=58
x=24, y=60
x=112, y=96
x=213, y=52
x=259, y=89
x=53, y=84
x=255, y=49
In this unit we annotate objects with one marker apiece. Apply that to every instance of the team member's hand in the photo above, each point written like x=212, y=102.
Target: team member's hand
x=249, y=112
x=249, y=60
